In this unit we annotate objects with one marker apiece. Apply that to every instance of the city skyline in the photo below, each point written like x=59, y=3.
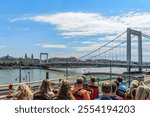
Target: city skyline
x=65, y=28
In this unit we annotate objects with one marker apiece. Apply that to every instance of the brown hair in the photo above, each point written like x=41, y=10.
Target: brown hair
x=65, y=90
x=106, y=87
x=45, y=86
x=114, y=87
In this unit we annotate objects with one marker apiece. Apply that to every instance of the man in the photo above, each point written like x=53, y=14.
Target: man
x=79, y=92
x=92, y=85
x=106, y=91
x=121, y=87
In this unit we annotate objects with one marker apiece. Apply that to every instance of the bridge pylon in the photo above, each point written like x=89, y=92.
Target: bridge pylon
x=140, y=57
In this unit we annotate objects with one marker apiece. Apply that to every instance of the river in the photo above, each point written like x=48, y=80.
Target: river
x=12, y=75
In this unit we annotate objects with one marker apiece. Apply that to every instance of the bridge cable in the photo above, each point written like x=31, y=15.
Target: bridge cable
x=104, y=45
x=108, y=50
x=145, y=35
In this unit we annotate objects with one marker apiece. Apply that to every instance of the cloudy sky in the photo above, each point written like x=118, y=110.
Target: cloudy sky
x=67, y=27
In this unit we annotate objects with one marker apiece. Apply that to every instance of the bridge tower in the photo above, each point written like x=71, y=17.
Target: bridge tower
x=139, y=34
x=41, y=54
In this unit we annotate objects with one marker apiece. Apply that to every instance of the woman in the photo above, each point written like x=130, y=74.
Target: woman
x=22, y=92
x=64, y=92
x=44, y=92
x=141, y=93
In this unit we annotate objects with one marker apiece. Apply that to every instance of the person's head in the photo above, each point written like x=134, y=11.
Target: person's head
x=120, y=79
x=79, y=81
x=65, y=89
x=45, y=86
x=93, y=80
x=106, y=88
x=114, y=87
x=22, y=92
x=134, y=84
x=141, y=93
x=142, y=83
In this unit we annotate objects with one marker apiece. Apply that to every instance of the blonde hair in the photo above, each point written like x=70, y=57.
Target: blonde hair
x=134, y=84
x=147, y=89
x=141, y=93
x=22, y=92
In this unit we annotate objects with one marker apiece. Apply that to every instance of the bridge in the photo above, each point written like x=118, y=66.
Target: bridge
x=80, y=64
x=115, y=53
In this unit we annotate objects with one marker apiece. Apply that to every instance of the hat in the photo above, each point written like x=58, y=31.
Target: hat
x=122, y=88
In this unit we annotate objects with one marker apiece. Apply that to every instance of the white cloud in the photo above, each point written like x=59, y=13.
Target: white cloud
x=87, y=24
x=46, y=45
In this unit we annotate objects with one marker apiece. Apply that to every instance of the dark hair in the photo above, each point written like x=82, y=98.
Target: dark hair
x=106, y=87
x=133, y=92
x=119, y=79
x=79, y=81
x=114, y=87
x=93, y=79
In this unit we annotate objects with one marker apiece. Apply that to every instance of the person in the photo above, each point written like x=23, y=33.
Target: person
x=22, y=92
x=95, y=93
x=119, y=92
x=44, y=92
x=113, y=93
x=64, y=92
x=79, y=92
x=121, y=87
x=130, y=92
x=106, y=91
x=133, y=93
x=147, y=89
x=141, y=93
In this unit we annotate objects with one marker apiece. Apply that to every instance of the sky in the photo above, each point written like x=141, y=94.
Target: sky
x=64, y=28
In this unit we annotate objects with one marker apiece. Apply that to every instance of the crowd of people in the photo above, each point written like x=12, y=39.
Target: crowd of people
x=82, y=90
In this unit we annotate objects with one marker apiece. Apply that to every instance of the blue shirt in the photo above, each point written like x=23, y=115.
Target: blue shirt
x=104, y=98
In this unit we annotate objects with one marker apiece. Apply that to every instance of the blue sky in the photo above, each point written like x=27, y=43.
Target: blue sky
x=66, y=27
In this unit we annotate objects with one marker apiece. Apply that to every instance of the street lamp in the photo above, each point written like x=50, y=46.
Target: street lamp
x=20, y=62
x=110, y=71
x=29, y=77
x=66, y=67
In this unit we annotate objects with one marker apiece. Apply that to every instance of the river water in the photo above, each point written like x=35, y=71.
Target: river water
x=12, y=75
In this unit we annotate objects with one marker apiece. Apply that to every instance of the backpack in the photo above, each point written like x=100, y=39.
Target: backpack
x=78, y=95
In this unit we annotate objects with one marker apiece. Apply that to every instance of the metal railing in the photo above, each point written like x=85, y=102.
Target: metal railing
x=34, y=85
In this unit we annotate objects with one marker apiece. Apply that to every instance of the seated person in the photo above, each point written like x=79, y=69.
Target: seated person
x=106, y=91
x=79, y=92
x=113, y=93
x=95, y=93
x=44, y=92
